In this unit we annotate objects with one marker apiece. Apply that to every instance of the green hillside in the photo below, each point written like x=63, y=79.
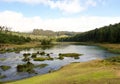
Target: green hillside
x=6, y=36
x=109, y=34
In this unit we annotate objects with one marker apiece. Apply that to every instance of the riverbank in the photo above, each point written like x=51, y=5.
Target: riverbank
x=112, y=47
x=28, y=45
x=17, y=47
x=93, y=72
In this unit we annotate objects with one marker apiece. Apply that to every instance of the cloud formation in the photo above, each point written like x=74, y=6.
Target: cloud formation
x=66, y=6
x=18, y=22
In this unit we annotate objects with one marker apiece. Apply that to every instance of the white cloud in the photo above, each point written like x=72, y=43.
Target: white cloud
x=66, y=6
x=91, y=2
x=19, y=22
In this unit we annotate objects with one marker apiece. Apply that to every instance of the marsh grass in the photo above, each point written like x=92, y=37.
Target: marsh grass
x=42, y=58
x=69, y=54
x=2, y=59
x=75, y=55
x=4, y=67
x=28, y=67
x=115, y=48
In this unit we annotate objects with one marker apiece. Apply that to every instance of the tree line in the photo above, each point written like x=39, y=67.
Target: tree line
x=109, y=34
x=52, y=33
x=7, y=37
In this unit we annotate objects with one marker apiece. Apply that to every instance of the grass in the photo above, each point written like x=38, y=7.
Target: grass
x=93, y=72
x=69, y=54
x=4, y=67
x=114, y=48
x=42, y=58
x=2, y=59
x=17, y=48
x=75, y=55
x=114, y=59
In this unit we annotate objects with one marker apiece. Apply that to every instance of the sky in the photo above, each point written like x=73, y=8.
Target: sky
x=58, y=15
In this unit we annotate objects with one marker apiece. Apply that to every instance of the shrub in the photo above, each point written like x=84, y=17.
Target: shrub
x=34, y=55
x=46, y=41
x=48, y=54
x=26, y=59
x=42, y=53
x=61, y=57
x=28, y=67
x=26, y=54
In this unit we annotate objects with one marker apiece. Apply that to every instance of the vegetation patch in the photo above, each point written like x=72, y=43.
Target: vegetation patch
x=42, y=58
x=69, y=54
x=6, y=37
x=75, y=55
x=61, y=57
x=46, y=41
x=34, y=55
x=4, y=67
x=42, y=53
x=2, y=59
x=28, y=67
x=114, y=48
x=26, y=54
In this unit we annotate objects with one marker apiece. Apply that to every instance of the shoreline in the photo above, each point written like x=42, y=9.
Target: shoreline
x=111, y=47
x=109, y=70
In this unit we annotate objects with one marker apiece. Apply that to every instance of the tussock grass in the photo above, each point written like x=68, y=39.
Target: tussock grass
x=4, y=67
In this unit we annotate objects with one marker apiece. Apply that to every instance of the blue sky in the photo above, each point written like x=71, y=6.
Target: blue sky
x=58, y=15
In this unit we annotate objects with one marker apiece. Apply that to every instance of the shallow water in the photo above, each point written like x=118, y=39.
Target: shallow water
x=13, y=59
